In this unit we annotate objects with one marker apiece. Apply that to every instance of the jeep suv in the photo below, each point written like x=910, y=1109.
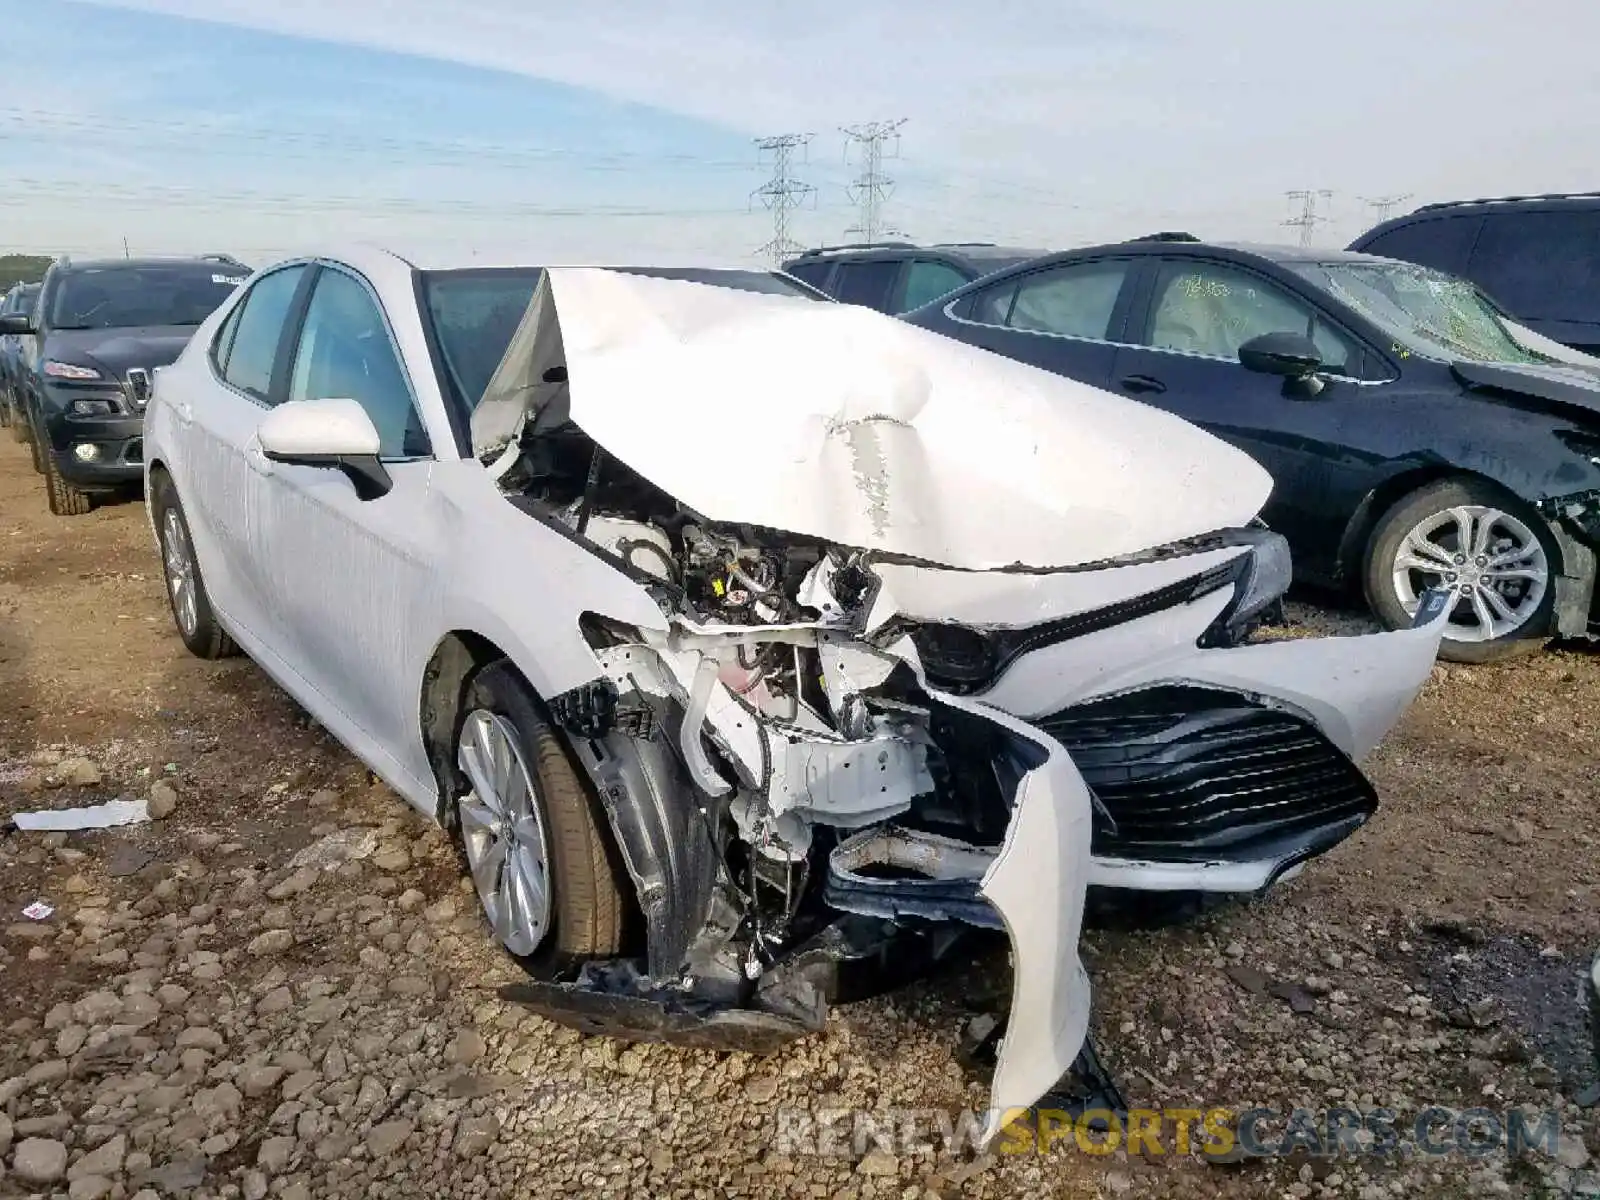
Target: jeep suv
x=1538, y=257
x=895, y=277
x=96, y=333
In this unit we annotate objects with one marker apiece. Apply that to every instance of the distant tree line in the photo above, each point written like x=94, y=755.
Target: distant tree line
x=22, y=268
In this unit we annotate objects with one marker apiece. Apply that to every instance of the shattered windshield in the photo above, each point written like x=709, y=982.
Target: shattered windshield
x=1426, y=311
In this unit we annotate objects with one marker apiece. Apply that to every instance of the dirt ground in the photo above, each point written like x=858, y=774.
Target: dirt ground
x=201, y=1016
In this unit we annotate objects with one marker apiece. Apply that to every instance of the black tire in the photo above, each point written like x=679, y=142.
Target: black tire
x=1409, y=512
x=65, y=500
x=35, y=445
x=208, y=639
x=589, y=896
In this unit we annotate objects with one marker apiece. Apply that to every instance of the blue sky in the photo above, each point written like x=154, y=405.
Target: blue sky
x=622, y=129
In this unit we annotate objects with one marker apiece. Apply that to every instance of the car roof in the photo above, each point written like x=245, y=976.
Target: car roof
x=1160, y=245
x=1576, y=200
x=1447, y=209
x=74, y=265
x=973, y=251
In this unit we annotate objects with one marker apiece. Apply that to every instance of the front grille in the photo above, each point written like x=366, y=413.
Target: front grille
x=137, y=386
x=1186, y=773
x=964, y=660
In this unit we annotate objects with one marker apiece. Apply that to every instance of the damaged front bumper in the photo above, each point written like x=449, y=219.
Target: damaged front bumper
x=783, y=865
x=802, y=813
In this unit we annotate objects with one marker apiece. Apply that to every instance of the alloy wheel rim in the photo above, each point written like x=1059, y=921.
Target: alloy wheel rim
x=178, y=559
x=1492, y=563
x=503, y=833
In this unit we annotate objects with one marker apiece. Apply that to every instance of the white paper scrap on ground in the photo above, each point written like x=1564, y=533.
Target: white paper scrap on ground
x=37, y=911
x=99, y=816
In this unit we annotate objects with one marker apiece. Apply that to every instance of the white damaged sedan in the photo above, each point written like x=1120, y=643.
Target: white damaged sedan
x=738, y=636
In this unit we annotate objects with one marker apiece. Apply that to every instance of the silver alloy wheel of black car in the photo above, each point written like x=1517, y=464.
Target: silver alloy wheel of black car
x=1492, y=560
x=177, y=560
x=503, y=833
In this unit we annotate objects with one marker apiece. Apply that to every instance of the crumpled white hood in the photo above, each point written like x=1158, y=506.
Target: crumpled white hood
x=849, y=426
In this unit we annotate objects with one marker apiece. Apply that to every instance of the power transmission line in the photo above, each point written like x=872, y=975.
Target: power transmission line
x=871, y=188
x=1309, y=217
x=1384, y=205
x=782, y=193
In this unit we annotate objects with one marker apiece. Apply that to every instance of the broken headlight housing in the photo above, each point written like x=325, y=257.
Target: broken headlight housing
x=1263, y=576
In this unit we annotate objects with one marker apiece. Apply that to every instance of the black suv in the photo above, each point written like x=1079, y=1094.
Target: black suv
x=97, y=332
x=895, y=277
x=1416, y=436
x=18, y=300
x=1538, y=257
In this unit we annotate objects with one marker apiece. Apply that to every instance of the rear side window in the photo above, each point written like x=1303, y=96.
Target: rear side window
x=814, y=273
x=1076, y=300
x=926, y=280
x=1442, y=243
x=258, y=329
x=1541, y=265
x=867, y=283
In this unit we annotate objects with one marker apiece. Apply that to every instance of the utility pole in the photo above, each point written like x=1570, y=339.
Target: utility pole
x=1384, y=205
x=1309, y=217
x=871, y=188
x=782, y=192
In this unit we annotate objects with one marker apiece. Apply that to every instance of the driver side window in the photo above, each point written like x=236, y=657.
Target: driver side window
x=1212, y=309
x=345, y=353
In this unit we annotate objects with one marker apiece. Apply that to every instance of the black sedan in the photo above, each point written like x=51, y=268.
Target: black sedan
x=1417, y=436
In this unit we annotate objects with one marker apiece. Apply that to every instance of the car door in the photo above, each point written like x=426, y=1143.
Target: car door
x=1061, y=318
x=354, y=582
x=214, y=425
x=1192, y=317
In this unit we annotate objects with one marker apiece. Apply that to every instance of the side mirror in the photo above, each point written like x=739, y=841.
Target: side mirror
x=327, y=433
x=15, y=323
x=1291, y=355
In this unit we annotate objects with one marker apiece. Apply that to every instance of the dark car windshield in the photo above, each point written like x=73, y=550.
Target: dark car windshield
x=475, y=312
x=1426, y=311
x=123, y=297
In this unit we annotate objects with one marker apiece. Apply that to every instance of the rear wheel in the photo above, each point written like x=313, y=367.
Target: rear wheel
x=35, y=444
x=534, y=838
x=1493, y=553
x=191, y=607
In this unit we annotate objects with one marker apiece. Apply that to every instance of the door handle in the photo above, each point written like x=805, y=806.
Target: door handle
x=1142, y=383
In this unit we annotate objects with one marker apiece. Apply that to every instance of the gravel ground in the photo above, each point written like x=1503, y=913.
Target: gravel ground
x=282, y=988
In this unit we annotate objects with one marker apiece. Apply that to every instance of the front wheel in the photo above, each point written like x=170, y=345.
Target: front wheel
x=191, y=607
x=65, y=500
x=1489, y=549
x=535, y=840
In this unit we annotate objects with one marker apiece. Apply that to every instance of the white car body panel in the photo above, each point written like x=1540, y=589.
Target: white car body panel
x=823, y=420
